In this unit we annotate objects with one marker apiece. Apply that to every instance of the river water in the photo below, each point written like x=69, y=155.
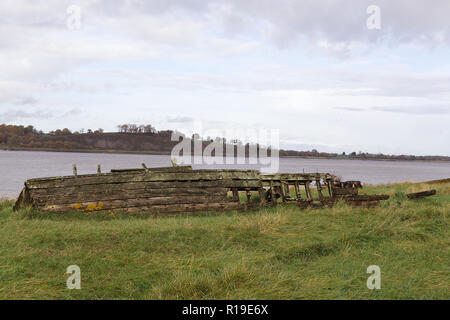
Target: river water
x=18, y=166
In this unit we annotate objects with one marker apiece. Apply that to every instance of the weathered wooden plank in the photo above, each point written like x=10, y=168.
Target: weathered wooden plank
x=152, y=185
x=367, y=201
x=292, y=177
x=127, y=189
x=137, y=202
x=344, y=191
x=367, y=197
x=170, y=208
x=143, y=177
x=422, y=194
x=60, y=196
x=160, y=169
x=132, y=185
x=190, y=208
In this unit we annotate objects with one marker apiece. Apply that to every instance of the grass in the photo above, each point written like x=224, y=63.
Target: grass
x=278, y=253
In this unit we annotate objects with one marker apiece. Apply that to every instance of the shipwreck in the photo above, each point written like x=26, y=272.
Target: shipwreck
x=180, y=189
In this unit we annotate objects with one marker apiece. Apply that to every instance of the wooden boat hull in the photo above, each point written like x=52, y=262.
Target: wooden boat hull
x=175, y=190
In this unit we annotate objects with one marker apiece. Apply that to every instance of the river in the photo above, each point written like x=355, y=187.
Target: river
x=18, y=166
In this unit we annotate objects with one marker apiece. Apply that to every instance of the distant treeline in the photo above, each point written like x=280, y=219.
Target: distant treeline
x=145, y=139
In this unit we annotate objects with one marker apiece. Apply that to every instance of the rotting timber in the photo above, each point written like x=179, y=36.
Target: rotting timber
x=174, y=190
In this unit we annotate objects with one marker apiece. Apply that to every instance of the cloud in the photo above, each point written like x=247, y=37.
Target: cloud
x=72, y=112
x=411, y=110
x=349, y=109
x=38, y=48
x=416, y=110
x=235, y=61
x=27, y=101
x=13, y=115
x=180, y=119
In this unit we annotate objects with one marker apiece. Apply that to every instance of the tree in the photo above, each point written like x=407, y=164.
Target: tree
x=132, y=128
x=149, y=129
x=125, y=128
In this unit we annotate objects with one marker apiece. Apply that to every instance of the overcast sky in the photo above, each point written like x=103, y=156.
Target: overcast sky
x=311, y=69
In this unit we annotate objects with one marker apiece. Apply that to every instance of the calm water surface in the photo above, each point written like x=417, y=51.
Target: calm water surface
x=18, y=166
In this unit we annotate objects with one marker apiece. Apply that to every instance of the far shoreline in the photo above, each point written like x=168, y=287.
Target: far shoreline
x=168, y=154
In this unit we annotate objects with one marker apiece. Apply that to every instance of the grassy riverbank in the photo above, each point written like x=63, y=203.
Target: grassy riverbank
x=280, y=253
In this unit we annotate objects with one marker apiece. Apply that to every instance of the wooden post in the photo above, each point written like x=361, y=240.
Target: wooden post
x=261, y=194
x=319, y=189
x=235, y=194
x=283, y=196
x=297, y=191
x=330, y=188
x=272, y=193
x=248, y=194
x=308, y=191
x=287, y=192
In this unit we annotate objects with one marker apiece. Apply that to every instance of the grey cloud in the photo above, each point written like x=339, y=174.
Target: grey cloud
x=341, y=81
x=412, y=110
x=343, y=23
x=180, y=119
x=71, y=112
x=12, y=115
x=349, y=109
x=15, y=114
x=339, y=24
x=416, y=110
x=27, y=101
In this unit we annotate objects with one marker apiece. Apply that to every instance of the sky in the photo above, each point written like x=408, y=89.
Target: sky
x=320, y=72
